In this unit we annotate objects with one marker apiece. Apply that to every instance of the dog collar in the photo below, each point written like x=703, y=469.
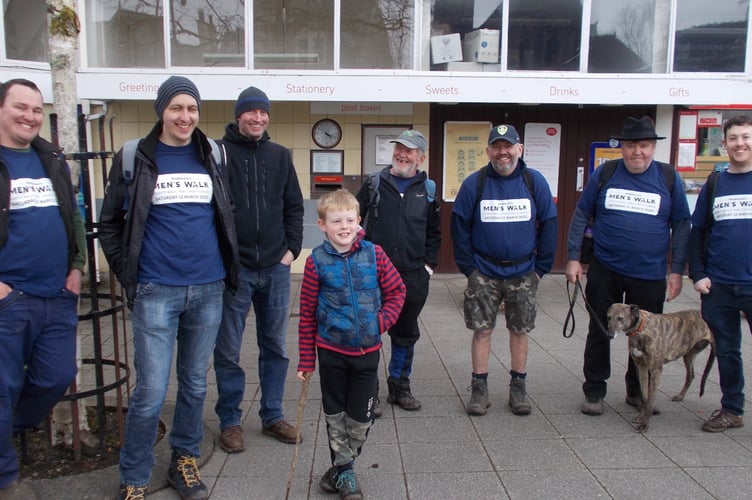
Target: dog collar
x=640, y=325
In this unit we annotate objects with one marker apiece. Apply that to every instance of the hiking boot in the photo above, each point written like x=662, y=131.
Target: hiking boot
x=518, y=397
x=636, y=401
x=184, y=477
x=478, y=398
x=128, y=492
x=593, y=405
x=400, y=394
x=377, y=410
x=720, y=420
x=347, y=485
x=283, y=432
x=328, y=481
x=231, y=439
x=18, y=490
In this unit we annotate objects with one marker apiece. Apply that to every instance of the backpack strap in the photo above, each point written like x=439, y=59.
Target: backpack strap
x=430, y=190
x=527, y=177
x=129, y=159
x=218, y=154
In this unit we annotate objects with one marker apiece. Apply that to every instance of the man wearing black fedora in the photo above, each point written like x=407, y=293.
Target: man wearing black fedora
x=637, y=211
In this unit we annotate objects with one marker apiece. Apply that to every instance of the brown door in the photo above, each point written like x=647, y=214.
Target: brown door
x=580, y=127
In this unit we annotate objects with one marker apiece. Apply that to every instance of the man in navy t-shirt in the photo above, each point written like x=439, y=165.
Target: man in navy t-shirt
x=504, y=237
x=637, y=219
x=42, y=255
x=169, y=236
x=720, y=266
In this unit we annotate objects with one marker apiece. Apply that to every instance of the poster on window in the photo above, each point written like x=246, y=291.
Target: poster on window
x=464, y=153
x=542, y=150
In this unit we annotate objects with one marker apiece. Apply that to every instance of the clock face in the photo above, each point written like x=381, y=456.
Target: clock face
x=326, y=133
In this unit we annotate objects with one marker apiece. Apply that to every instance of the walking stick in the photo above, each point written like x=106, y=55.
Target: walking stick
x=298, y=423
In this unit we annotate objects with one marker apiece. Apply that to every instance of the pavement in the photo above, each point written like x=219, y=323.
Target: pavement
x=440, y=452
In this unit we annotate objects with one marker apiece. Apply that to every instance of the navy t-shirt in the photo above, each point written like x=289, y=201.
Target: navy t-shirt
x=729, y=258
x=34, y=260
x=180, y=241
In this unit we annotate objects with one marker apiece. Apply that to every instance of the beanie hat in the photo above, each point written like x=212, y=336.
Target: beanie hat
x=251, y=98
x=175, y=85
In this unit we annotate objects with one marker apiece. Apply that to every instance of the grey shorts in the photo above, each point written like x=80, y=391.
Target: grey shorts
x=484, y=295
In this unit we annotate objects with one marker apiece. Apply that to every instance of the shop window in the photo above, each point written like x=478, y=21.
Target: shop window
x=26, y=30
x=459, y=28
x=125, y=34
x=545, y=35
x=377, y=34
x=207, y=33
x=711, y=37
x=629, y=37
x=293, y=34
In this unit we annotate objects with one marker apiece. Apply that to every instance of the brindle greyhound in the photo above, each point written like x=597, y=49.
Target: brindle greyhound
x=656, y=339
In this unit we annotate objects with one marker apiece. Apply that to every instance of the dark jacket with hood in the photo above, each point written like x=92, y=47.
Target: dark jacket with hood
x=406, y=227
x=267, y=200
x=126, y=207
x=57, y=170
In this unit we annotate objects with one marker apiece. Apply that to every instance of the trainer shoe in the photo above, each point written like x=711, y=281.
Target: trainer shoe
x=593, y=405
x=18, y=490
x=518, y=397
x=479, y=402
x=128, y=492
x=184, y=477
x=282, y=431
x=347, y=485
x=328, y=481
x=231, y=439
x=636, y=401
x=720, y=420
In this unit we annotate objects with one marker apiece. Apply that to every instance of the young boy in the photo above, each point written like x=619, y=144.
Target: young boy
x=350, y=294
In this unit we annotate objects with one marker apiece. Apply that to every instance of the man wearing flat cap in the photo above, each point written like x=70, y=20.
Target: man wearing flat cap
x=504, y=225
x=168, y=234
x=268, y=206
x=401, y=211
x=637, y=211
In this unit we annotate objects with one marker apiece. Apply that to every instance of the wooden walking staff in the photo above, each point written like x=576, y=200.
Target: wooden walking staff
x=298, y=424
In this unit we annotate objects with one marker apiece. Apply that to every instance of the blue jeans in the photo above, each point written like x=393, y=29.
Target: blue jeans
x=720, y=309
x=269, y=291
x=39, y=333
x=161, y=315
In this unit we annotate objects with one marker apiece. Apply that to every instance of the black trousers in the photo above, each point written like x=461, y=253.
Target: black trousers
x=605, y=287
x=405, y=332
x=348, y=383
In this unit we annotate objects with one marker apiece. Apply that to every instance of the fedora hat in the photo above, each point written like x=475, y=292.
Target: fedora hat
x=636, y=129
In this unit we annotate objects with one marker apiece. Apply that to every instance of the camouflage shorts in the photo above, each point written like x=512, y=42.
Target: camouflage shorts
x=484, y=295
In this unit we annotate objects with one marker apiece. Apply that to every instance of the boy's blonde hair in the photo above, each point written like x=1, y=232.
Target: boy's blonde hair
x=341, y=199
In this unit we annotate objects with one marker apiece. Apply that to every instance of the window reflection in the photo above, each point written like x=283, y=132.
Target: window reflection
x=207, y=32
x=377, y=34
x=464, y=16
x=293, y=34
x=711, y=37
x=629, y=37
x=125, y=33
x=26, y=30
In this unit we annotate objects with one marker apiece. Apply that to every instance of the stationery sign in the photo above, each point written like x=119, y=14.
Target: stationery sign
x=542, y=151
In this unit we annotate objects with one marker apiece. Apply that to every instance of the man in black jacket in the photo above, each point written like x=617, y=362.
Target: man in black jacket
x=168, y=234
x=42, y=254
x=405, y=222
x=268, y=208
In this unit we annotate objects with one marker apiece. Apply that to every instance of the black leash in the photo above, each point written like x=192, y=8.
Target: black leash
x=570, y=314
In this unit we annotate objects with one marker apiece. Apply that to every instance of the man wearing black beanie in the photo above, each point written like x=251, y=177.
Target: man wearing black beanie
x=269, y=218
x=168, y=234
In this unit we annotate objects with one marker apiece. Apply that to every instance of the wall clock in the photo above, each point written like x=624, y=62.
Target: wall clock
x=326, y=133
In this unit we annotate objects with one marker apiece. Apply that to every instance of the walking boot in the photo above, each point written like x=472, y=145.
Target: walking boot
x=400, y=394
x=479, y=402
x=518, y=397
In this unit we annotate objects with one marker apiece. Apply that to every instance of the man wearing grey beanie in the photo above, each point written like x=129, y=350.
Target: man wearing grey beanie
x=269, y=218
x=168, y=234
